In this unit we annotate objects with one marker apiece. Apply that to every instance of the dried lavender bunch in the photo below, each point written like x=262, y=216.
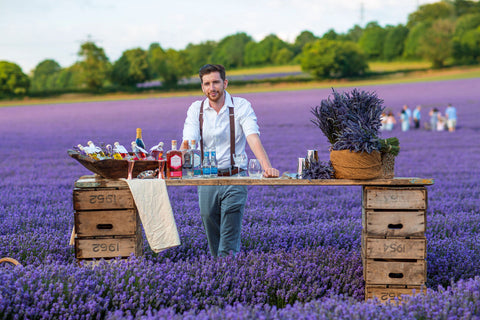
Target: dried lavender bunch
x=349, y=119
x=355, y=139
x=318, y=170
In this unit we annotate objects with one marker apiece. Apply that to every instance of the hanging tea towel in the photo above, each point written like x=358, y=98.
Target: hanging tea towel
x=151, y=199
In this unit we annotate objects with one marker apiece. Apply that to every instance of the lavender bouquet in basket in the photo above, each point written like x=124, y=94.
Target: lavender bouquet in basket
x=351, y=122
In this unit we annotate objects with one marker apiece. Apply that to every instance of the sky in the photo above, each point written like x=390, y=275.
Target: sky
x=34, y=30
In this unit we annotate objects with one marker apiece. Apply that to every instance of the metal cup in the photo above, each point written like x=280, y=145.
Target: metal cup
x=300, y=167
x=312, y=156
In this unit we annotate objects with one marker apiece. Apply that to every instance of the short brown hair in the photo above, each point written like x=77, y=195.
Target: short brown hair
x=209, y=68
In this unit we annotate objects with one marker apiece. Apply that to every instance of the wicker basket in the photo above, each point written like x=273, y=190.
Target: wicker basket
x=115, y=169
x=388, y=165
x=356, y=165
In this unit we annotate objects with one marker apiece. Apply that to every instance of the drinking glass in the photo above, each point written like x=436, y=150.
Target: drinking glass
x=240, y=161
x=254, y=169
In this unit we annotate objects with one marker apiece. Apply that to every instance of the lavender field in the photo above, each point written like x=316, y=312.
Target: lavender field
x=300, y=254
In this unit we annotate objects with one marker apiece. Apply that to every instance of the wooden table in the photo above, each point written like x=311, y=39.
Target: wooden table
x=393, y=225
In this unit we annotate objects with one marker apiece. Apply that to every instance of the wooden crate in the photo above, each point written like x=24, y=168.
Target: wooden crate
x=102, y=199
x=398, y=272
x=107, y=224
x=391, y=293
x=108, y=247
x=394, y=198
x=394, y=248
x=394, y=223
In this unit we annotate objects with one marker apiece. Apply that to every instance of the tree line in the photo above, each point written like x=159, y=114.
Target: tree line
x=445, y=32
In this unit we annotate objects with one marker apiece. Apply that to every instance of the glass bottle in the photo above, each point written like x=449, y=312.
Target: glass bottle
x=139, y=140
x=174, y=162
x=188, y=163
x=119, y=149
x=92, y=148
x=197, y=159
x=140, y=153
x=157, y=151
x=213, y=164
x=206, y=165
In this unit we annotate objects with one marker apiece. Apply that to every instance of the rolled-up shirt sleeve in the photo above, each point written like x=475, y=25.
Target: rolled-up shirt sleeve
x=248, y=119
x=191, y=128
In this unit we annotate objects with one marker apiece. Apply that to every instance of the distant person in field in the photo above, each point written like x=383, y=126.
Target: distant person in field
x=451, y=115
x=417, y=117
x=383, y=120
x=409, y=114
x=390, y=121
x=433, y=119
x=404, y=120
x=441, y=122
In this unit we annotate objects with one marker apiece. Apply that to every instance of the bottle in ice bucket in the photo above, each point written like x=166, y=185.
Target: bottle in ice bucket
x=157, y=151
x=187, y=166
x=118, y=149
x=139, y=140
x=174, y=162
x=86, y=151
x=92, y=148
x=140, y=153
x=206, y=165
x=213, y=164
x=197, y=159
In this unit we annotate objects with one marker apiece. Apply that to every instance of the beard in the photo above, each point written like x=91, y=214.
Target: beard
x=215, y=95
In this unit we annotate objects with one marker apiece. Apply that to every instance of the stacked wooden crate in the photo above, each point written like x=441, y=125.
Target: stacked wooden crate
x=393, y=241
x=107, y=224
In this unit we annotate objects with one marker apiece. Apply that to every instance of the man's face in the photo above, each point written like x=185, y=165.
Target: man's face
x=213, y=86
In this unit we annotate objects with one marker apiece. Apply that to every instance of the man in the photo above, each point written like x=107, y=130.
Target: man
x=451, y=115
x=417, y=116
x=408, y=114
x=221, y=207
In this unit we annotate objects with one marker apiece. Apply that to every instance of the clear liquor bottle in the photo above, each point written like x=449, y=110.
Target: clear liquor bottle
x=213, y=164
x=187, y=166
x=197, y=159
x=174, y=162
x=206, y=165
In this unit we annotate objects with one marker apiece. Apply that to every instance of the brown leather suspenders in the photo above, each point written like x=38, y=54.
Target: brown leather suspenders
x=232, y=130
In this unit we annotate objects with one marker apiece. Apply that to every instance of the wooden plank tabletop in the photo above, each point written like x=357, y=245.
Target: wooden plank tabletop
x=95, y=181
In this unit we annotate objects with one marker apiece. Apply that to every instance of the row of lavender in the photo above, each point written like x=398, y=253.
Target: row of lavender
x=300, y=245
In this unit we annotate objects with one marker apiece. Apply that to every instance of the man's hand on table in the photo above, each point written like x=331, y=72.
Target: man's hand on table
x=271, y=173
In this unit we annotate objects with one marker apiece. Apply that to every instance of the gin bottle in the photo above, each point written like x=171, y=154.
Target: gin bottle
x=187, y=166
x=197, y=159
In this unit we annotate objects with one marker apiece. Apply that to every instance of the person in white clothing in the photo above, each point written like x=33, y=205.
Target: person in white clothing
x=225, y=124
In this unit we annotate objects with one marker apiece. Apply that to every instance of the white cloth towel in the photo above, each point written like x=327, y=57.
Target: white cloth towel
x=151, y=199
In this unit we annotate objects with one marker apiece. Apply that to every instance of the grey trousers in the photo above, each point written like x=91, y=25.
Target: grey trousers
x=221, y=208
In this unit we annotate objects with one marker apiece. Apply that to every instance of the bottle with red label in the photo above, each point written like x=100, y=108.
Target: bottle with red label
x=174, y=162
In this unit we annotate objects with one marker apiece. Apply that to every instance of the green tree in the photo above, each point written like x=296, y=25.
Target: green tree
x=13, y=82
x=466, y=39
x=431, y=12
x=354, y=34
x=372, y=40
x=335, y=59
x=302, y=39
x=69, y=78
x=264, y=52
x=437, y=42
x=94, y=65
x=199, y=55
x=230, y=50
x=131, y=68
x=394, y=42
x=45, y=75
x=177, y=67
x=330, y=35
x=413, y=42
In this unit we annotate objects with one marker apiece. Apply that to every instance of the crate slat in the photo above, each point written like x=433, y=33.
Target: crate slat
x=102, y=199
x=391, y=293
x=106, y=223
x=394, y=223
x=394, y=248
x=88, y=248
x=401, y=198
x=395, y=272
